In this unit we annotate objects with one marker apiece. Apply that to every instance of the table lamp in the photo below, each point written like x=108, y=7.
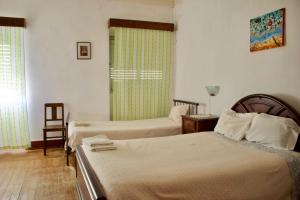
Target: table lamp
x=212, y=90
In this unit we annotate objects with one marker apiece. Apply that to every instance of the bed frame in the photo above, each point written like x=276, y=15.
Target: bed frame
x=193, y=106
x=90, y=188
x=262, y=103
x=193, y=110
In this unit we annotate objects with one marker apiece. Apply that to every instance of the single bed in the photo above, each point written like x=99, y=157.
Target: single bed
x=192, y=166
x=120, y=130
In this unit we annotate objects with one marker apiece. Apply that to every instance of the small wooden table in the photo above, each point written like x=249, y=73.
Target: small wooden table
x=198, y=123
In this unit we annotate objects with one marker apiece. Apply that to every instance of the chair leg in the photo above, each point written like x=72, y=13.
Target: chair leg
x=64, y=136
x=68, y=149
x=45, y=142
x=68, y=152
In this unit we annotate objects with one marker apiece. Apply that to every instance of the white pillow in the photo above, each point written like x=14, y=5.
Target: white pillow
x=234, y=125
x=177, y=112
x=274, y=131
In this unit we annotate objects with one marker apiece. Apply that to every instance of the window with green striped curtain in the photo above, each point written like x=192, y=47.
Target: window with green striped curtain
x=14, y=131
x=140, y=73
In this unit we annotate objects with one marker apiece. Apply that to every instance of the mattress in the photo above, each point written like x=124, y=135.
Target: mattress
x=120, y=130
x=191, y=166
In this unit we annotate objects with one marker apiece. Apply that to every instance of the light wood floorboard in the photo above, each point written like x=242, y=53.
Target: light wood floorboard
x=29, y=175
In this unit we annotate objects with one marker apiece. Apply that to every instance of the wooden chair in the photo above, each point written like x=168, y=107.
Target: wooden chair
x=53, y=123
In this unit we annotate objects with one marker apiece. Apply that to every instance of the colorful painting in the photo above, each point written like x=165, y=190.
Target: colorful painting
x=267, y=31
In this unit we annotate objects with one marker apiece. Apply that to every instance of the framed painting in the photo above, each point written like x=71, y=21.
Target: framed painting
x=83, y=50
x=268, y=31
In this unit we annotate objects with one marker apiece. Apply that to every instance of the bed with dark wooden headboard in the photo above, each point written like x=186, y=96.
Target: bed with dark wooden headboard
x=263, y=103
x=90, y=186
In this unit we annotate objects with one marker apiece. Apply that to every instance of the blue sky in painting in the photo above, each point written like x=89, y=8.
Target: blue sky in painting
x=266, y=35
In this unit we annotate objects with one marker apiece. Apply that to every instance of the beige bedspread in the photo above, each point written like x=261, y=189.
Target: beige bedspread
x=196, y=166
x=120, y=130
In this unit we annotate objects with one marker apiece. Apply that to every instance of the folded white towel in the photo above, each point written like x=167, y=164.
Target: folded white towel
x=97, y=140
x=82, y=124
x=99, y=145
x=103, y=148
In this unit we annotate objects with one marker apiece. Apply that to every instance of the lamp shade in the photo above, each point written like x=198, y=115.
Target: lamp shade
x=212, y=90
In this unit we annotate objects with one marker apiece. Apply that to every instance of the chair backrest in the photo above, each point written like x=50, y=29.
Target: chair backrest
x=54, y=115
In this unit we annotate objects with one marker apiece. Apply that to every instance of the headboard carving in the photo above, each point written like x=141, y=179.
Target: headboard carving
x=263, y=103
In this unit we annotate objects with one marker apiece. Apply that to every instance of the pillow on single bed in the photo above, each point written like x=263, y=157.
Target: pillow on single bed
x=274, y=131
x=177, y=111
x=234, y=125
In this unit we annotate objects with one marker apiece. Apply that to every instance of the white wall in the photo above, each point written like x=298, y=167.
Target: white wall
x=213, y=48
x=53, y=72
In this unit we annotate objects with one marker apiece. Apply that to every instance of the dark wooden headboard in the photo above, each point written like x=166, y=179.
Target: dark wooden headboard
x=193, y=106
x=263, y=103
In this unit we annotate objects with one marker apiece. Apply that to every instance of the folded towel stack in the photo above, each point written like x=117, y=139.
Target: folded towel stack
x=99, y=143
x=81, y=124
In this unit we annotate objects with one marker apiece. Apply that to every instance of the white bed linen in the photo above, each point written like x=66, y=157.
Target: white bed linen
x=280, y=132
x=120, y=130
x=192, y=166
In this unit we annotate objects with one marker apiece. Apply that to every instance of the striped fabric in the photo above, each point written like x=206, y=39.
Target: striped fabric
x=140, y=73
x=13, y=114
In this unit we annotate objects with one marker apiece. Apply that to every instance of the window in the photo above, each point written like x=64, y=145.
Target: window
x=140, y=73
x=13, y=113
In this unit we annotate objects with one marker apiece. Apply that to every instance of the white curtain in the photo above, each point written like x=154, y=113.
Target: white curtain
x=14, y=131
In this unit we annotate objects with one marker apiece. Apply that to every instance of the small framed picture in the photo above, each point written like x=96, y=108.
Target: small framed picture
x=83, y=50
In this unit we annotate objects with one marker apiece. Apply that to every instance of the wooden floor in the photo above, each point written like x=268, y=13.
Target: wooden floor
x=30, y=175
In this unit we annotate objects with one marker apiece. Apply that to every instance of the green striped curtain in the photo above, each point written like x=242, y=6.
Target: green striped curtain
x=13, y=114
x=140, y=73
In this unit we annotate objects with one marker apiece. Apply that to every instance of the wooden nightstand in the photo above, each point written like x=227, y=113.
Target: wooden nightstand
x=198, y=123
